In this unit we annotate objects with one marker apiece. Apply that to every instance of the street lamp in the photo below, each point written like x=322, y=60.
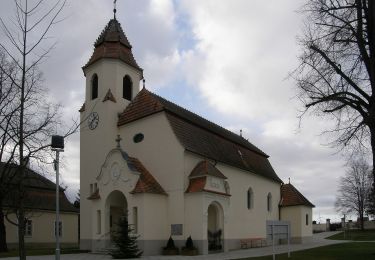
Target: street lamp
x=57, y=145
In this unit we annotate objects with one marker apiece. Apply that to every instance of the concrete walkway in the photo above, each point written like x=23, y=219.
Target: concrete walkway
x=317, y=241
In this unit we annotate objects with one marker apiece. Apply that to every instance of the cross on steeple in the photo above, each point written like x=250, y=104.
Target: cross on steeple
x=114, y=9
x=118, y=140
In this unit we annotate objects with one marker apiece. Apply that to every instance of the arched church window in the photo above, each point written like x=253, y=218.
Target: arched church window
x=94, y=86
x=127, y=88
x=250, y=198
x=269, y=202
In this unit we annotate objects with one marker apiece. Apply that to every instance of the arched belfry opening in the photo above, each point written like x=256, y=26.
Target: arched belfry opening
x=215, y=227
x=116, y=207
x=127, y=86
x=94, y=86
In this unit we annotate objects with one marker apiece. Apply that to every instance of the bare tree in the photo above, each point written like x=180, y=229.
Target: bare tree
x=27, y=118
x=336, y=75
x=354, y=189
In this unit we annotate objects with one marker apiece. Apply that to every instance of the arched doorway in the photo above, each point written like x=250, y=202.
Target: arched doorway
x=215, y=227
x=116, y=207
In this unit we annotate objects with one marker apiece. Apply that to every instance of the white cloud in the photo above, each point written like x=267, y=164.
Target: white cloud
x=238, y=59
x=245, y=54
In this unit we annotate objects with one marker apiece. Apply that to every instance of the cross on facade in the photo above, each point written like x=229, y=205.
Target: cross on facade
x=118, y=140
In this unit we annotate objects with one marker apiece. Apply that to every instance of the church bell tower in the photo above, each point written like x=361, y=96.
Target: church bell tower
x=112, y=81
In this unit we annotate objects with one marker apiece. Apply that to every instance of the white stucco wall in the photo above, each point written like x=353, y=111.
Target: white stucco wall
x=43, y=228
x=241, y=222
x=297, y=217
x=162, y=155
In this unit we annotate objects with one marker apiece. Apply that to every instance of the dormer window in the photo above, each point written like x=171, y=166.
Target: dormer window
x=94, y=86
x=127, y=88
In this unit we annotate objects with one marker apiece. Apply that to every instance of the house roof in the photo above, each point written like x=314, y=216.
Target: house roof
x=204, y=168
x=201, y=136
x=40, y=193
x=290, y=196
x=112, y=43
x=146, y=182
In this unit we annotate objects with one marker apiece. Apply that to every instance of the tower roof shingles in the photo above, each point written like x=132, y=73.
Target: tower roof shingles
x=112, y=43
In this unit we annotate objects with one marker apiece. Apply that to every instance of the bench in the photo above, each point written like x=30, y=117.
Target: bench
x=252, y=242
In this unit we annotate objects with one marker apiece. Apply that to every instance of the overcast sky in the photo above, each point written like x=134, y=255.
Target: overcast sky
x=226, y=60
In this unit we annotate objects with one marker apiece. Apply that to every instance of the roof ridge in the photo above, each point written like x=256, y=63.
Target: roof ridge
x=256, y=150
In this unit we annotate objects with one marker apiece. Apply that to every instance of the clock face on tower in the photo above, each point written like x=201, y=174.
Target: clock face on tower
x=93, y=120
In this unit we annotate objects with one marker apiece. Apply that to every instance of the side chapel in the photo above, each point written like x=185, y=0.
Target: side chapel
x=172, y=172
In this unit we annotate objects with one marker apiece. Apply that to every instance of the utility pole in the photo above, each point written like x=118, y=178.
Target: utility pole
x=58, y=146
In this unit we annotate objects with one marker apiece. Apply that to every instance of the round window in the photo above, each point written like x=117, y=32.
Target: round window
x=138, y=138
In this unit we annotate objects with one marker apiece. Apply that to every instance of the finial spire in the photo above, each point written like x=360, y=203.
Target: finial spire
x=118, y=140
x=144, y=83
x=241, y=132
x=114, y=9
x=289, y=180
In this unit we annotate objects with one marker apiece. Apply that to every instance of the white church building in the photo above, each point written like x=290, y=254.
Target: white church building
x=172, y=172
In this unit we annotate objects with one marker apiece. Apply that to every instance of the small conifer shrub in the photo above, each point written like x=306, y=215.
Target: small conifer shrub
x=125, y=241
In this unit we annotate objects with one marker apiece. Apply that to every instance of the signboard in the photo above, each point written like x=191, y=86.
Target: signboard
x=176, y=229
x=277, y=230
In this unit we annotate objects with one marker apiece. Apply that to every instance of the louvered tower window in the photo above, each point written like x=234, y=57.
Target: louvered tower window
x=127, y=88
x=94, y=86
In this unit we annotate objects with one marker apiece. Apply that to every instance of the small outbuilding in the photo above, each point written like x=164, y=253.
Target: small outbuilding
x=40, y=208
x=294, y=207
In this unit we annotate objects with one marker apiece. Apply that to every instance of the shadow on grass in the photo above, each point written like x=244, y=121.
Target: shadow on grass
x=355, y=235
x=345, y=251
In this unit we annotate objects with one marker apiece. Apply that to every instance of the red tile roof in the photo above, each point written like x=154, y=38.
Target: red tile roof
x=290, y=196
x=146, y=182
x=201, y=136
x=113, y=43
x=206, y=168
x=198, y=185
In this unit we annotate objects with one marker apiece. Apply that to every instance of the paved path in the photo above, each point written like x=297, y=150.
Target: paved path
x=317, y=241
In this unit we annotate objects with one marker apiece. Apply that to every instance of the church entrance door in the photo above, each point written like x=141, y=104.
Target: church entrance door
x=215, y=227
x=116, y=208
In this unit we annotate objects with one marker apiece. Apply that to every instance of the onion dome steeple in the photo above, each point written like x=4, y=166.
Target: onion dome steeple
x=112, y=43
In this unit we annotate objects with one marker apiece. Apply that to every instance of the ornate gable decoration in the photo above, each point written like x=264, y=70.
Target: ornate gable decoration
x=115, y=167
x=115, y=171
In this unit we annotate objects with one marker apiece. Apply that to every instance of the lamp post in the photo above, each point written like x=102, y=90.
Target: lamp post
x=57, y=145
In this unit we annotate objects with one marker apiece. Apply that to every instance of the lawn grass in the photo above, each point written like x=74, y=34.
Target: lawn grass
x=43, y=251
x=345, y=251
x=355, y=235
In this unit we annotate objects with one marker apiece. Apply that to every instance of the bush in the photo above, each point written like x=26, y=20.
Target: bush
x=125, y=241
x=189, y=243
x=170, y=244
